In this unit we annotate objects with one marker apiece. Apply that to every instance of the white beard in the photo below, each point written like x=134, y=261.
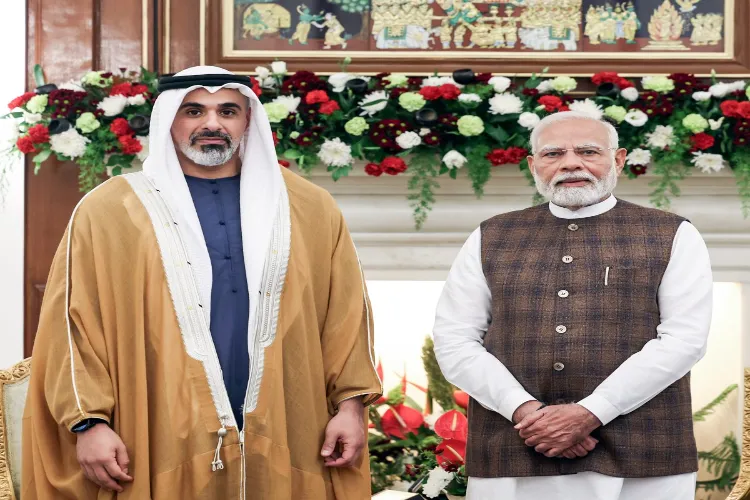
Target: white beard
x=213, y=157
x=582, y=196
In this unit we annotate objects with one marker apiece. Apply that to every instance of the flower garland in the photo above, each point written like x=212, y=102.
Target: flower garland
x=396, y=124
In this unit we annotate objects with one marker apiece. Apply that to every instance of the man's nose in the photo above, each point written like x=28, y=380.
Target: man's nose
x=212, y=122
x=571, y=161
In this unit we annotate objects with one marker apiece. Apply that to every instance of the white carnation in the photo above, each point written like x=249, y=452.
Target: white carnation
x=661, y=138
x=499, y=83
x=544, y=87
x=289, y=102
x=630, y=93
x=368, y=108
x=143, y=153
x=505, y=104
x=707, y=162
x=436, y=81
x=335, y=153
x=715, y=124
x=639, y=157
x=408, y=140
x=587, y=106
x=73, y=85
x=113, y=105
x=437, y=480
x=136, y=100
x=32, y=118
x=278, y=68
x=262, y=72
x=701, y=96
x=9, y=133
x=529, y=120
x=722, y=89
x=454, y=159
x=636, y=117
x=69, y=143
x=469, y=98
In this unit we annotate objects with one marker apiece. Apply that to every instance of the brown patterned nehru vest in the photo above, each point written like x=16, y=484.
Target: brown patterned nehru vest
x=561, y=331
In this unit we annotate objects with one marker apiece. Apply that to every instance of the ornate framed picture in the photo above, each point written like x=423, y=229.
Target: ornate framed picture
x=500, y=36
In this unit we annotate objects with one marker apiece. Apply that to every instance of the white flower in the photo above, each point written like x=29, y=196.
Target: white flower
x=707, y=162
x=639, y=157
x=423, y=132
x=113, y=105
x=587, y=106
x=436, y=81
x=563, y=84
x=715, y=124
x=401, y=486
x=8, y=133
x=335, y=153
x=143, y=153
x=74, y=85
x=701, y=96
x=437, y=480
x=500, y=83
x=338, y=81
x=31, y=118
x=278, y=68
x=454, y=159
x=630, y=93
x=290, y=102
x=528, y=120
x=636, y=117
x=505, y=104
x=408, y=140
x=262, y=72
x=661, y=138
x=544, y=87
x=469, y=98
x=136, y=100
x=368, y=108
x=722, y=89
x=69, y=143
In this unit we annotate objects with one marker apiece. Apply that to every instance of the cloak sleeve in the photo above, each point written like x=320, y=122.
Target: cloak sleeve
x=70, y=352
x=348, y=334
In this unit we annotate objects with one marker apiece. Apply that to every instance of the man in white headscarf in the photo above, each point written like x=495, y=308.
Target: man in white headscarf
x=206, y=331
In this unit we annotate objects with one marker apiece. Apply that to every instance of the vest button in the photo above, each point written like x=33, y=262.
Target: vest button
x=558, y=366
x=562, y=293
x=561, y=329
x=573, y=227
x=567, y=259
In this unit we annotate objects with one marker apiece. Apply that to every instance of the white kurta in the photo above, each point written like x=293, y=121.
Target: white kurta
x=685, y=305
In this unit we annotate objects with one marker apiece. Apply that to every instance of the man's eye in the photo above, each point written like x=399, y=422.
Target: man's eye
x=552, y=154
x=229, y=112
x=589, y=152
x=193, y=112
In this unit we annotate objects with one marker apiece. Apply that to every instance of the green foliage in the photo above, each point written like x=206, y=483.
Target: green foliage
x=440, y=389
x=422, y=185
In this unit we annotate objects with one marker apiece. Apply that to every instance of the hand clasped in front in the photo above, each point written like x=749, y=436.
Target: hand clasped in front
x=560, y=430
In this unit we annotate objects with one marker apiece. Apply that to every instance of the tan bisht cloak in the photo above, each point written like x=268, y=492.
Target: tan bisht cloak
x=135, y=350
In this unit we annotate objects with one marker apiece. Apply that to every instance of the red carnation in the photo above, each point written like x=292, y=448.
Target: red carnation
x=328, y=107
x=515, y=154
x=393, y=165
x=497, y=157
x=373, y=169
x=744, y=109
x=702, y=141
x=128, y=89
x=730, y=109
x=130, y=145
x=25, y=145
x=39, y=134
x=20, y=100
x=284, y=163
x=624, y=83
x=431, y=93
x=255, y=86
x=316, y=96
x=483, y=78
x=449, y=91
x=551, y=103
x=120, y=127
x=605, y=77
x=275, y=138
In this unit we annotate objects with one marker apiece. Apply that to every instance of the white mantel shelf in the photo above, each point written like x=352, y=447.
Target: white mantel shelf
x=380, y=219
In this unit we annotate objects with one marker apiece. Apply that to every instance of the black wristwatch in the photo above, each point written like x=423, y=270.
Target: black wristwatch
x=87, y=424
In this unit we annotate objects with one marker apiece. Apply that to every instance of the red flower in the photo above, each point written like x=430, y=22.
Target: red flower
x=431, y=93
x=120, y=127
x=744, y=109
x=730, y=109
x=497, y=157
x=284, y=163
x=448, y=121
x=530, y=92
x=385, y=132
x=400, y=420
x=303, y=82
x=128, y=89
x=605, y=77
x=449, y=91
x=452, y=425
x=317, y=96
x=20, y=100
x=638, y=170
x=515, y=154
x=393, y=165
x=702, y=141
x=483, y=78
x=275, y=138
x=373, y=169
x=461, y=399
x=130, y=145
x=25, y=145
x=39, y=134
x=396, y=93
x=450, y=454
x=624, y=83
x=551, y=103
x=255, y=86
x=414, y=82
x=431, y=139
x=328, y=107
x=305, y=139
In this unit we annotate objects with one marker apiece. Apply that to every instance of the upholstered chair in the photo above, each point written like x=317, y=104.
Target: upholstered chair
x=14, y=384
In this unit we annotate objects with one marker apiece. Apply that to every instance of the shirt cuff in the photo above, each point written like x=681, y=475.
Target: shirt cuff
x=601, y=408
x=512, y=401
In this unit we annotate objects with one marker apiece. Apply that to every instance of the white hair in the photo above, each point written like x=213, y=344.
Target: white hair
x=561, y=116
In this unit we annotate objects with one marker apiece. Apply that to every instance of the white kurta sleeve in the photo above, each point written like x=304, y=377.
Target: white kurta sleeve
x=685, y=305
x=463, y=315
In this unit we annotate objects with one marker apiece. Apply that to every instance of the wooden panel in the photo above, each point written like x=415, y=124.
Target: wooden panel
x=184, y=43
x=121, y=35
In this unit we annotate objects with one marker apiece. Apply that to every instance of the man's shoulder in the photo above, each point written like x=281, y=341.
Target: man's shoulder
x=107, y=200
x=514, y=217
x=309, y=198
x=628, y=208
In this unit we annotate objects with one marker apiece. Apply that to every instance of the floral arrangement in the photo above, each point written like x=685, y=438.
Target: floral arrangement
x=425, y=128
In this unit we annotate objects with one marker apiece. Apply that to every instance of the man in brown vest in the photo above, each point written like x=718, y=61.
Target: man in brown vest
x=573, y=326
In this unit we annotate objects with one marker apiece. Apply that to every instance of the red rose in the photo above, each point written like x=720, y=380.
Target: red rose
x=25, y=145
x=39, y=134
x=449, y=91
x=702, y=141
x=130, y=145
x=328, y=107
x=373, y=169
x=284, y=163
x=120, y=127
x=550, y=102
x=20, y=100
x=316, y=96
x=515, y=154
x=393, y=165
x=730, y=109
x=431, y=93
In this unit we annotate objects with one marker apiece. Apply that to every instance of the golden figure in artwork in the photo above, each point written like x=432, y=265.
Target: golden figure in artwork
x=665, y=29
x=302, y=31
x=707, y=29
x=334, y=32
x=264, y=19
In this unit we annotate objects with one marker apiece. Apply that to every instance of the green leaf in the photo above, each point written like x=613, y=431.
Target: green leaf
x=38, y=75
x=453, y=173
x=116, y=171
x=292, y=154
x=443, y=170
x=497, y=133
x=700, y=415
x=41, y=156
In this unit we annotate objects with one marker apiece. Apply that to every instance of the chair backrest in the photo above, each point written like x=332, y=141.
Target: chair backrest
x=14, y=385
x=741, y=489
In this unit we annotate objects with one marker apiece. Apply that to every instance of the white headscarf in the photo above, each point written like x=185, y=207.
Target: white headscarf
x=260, y=186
